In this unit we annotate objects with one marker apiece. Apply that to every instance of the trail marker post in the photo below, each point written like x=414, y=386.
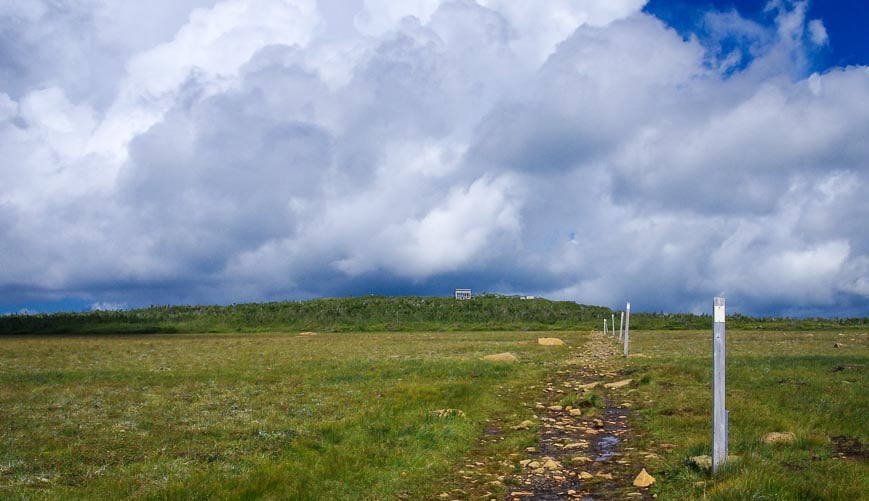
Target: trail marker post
x=621, y=325
x=719, y=411
x=613, y=322
x=604, y=327
x=627, y=327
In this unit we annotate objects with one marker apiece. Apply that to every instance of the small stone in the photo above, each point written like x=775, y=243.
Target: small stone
x=501, y=357
x=550, y=341
x=607, y=476
x=534, y=465
x=524, y=425
x=585, y=475
x=575, y=412
x=445, y=413
x=551, y=465
x=531, y=450
x=779, y=437
x=618, y=384
x=598, y=423
x=555, y=407
x=839, y=345
x=524, y=462
x=703, y=462
x=644, y=479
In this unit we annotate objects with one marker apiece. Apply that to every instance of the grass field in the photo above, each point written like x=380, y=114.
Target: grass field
x=350, y=416
x=797, y=382
x=330, y=416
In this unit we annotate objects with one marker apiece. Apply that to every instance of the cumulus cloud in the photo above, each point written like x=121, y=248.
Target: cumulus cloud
x=233, y=150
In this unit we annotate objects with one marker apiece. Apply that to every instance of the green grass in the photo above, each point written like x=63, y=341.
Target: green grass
x=788, y=381
x=331, y=416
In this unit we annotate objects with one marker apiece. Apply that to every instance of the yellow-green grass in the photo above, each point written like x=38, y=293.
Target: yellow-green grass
x=776, y=381
x=329, y=416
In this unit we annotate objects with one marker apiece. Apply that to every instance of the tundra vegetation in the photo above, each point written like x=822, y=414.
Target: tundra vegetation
x=243, y=408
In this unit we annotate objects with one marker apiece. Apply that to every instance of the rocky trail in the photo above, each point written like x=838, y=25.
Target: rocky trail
x=584, y=425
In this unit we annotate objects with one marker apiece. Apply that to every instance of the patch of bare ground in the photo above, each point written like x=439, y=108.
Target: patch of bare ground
x=583, y=419
x=849, y=448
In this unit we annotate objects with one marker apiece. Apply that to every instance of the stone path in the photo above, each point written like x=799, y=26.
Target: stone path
x=581, y=453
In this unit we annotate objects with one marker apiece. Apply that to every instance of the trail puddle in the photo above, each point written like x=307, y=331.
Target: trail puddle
x=607, y=446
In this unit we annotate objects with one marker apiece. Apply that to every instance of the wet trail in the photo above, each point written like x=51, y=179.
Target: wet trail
x=582, y=452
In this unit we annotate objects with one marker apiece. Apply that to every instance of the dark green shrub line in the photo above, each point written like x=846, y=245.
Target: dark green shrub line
x=384, y=314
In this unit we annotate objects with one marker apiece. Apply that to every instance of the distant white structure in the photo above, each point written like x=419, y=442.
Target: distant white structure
x=527, y=297
x=463, y=293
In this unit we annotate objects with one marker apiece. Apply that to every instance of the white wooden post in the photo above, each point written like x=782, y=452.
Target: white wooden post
x=627, y=327
x=719, y=412
x=613, y=322
x=604, y=327
x=621, y=325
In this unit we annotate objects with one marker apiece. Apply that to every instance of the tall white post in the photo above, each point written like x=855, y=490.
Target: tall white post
x=627, y=327
x=613, y=322
x=719, y=411
x=604, y=327
x=621, y=325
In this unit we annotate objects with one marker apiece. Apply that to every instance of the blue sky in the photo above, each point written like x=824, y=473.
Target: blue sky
x=600, y=151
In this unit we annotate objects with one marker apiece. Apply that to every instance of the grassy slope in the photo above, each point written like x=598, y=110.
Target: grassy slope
x=384, y=314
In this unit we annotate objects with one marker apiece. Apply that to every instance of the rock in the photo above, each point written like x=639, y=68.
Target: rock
x=618, y=384
x=445, y=413
x=598, y=423
x=585, y=475
x=575, y=412
x=607, y=476
x=778, y=437
x=839, y=345
x=522, y=494
x=534, y=465
x=555, y=407
x=525, y=462
x=550, y=341
x=524, y=425
x=501, y=357
x=644, y=479
x=307, y=334
x=551, y=465
x=580, y=459
x=702, y=462
x=531, y=450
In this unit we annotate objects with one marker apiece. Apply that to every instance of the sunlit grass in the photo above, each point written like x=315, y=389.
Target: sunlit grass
x=797, y=382
x=248, y=416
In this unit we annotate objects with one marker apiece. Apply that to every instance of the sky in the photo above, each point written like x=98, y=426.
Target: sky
x=598, y=151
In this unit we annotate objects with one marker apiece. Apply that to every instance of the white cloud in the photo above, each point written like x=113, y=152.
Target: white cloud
x=817, y=32
x=259, y=149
